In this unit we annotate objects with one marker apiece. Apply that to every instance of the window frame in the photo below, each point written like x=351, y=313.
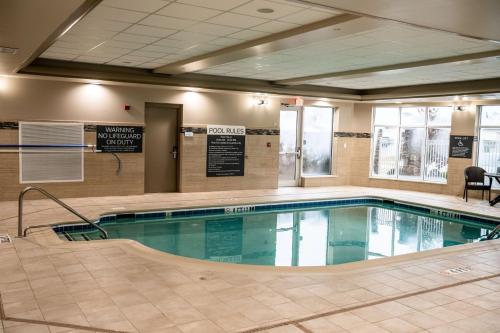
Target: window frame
x=399, y=128
x=479, y=127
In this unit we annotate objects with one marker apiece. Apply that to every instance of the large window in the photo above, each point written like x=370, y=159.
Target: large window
x=411, y=143
x=317, y=140
x=489, y=138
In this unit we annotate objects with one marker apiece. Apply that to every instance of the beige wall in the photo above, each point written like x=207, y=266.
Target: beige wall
x=37, y=99
x=46, y=100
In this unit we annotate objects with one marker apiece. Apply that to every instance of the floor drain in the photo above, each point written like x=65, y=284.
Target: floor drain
x=456, y=270
x=5, y=239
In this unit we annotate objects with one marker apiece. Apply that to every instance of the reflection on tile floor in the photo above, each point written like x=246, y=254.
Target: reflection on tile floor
x=120, y=285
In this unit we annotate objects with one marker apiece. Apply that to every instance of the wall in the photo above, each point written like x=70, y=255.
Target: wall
x=49, y=100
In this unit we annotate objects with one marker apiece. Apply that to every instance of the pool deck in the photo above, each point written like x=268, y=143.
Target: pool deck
x=48, y=285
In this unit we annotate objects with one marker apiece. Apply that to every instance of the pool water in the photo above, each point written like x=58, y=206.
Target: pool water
x=312, y=237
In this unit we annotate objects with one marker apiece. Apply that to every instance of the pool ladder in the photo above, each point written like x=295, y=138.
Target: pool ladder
x=22, y=233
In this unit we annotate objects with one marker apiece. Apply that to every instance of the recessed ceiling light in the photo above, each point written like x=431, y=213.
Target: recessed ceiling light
x=8, y=50
x=265, y=10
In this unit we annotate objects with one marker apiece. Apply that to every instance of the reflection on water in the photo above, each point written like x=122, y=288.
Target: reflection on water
x=301, y=238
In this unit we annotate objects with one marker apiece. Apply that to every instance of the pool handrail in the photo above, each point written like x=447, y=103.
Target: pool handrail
x=21, y=233
x=493, y=232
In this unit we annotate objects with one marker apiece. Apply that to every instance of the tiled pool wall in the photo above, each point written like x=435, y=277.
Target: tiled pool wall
x=229, y=210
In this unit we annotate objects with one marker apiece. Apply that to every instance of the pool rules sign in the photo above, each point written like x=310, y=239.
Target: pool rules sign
x=225, y=151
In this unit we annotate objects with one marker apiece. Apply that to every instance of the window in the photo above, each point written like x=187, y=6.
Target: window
x=489, y=138
x=317, y=141
x=411, y=143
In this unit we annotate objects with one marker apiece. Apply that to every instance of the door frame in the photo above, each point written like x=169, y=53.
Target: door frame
x=179, y=111
x=298, y=146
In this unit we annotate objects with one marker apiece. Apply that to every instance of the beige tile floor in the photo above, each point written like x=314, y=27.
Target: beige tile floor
x=47, y=285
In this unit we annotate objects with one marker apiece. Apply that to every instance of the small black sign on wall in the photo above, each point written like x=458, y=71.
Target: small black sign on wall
x=119, y=139
x=461, y=146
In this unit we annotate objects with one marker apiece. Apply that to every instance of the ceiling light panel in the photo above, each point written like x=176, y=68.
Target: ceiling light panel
x=166, y=31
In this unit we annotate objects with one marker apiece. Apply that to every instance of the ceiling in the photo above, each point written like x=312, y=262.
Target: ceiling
x=358, y=45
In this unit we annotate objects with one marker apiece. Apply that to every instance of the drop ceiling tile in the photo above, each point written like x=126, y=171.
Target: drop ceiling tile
x=248, y=34
x=125, y=37
x=116, y=14
x=225, y=41
x=279, y=9
x=237, y=20
x=74, y=45
x=92, y=23
x=123, y=45
x=215, y=4
x=188, y=12
x=167, y=22
x=306, y=16
x=192, y=36
x=275, y=26
x=147, y=54
x=161, y=49
x=107, y=51
x=136, y=58
x=148, y=6
x=181, y=44
x=145, y=30
x=212, y=29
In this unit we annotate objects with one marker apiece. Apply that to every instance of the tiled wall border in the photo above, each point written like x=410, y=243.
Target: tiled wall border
x=228, y=210
x=352, y=135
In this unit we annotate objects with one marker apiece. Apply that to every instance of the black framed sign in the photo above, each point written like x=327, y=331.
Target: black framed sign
x=119, y=139
x=461, y=146
x=225, y=151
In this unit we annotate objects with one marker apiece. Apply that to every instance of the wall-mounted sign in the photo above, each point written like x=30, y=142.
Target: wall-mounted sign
x=119, y=139
x=225, y=150
x=461, y=146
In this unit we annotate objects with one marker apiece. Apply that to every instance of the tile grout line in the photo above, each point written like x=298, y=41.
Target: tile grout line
x=297, y=322
x=302, y=328
x=4, y=317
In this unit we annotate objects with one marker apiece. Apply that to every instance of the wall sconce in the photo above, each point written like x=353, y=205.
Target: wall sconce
x=460, y=108
x=261, y=101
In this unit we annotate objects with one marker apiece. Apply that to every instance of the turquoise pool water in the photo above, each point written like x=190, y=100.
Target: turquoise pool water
x=301, y=237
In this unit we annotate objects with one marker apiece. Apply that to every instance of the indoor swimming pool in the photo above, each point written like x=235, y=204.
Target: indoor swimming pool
x=293, y=234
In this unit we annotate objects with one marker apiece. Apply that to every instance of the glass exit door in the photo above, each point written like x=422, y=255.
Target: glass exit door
x=290, y=149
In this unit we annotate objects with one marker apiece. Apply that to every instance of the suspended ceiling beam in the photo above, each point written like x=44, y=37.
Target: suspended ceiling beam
x=66, y=69
x=483, y=56
x=336, y=26
x=484, y=86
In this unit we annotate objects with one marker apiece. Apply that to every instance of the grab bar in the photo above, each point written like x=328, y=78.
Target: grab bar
x=53, y=198
x=493, y=232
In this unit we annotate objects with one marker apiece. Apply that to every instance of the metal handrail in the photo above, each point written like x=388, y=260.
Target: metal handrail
x=53, y=198
x=493, y=232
